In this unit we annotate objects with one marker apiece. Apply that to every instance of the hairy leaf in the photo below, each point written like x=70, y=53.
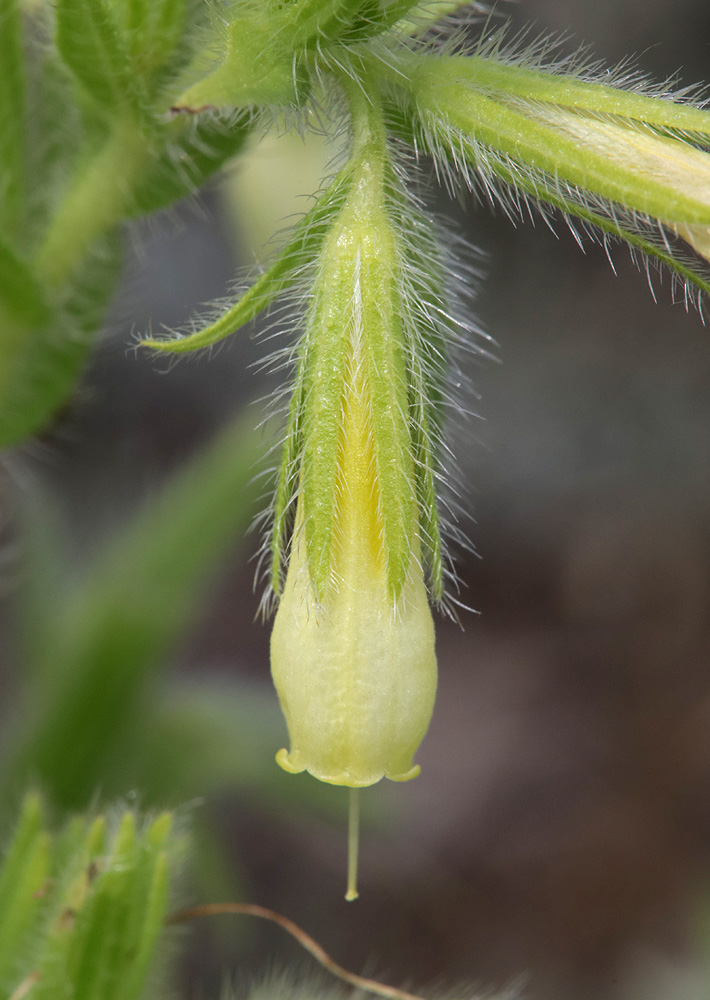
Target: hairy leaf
x=47, y=360
x=91, y=43
x=192, y=149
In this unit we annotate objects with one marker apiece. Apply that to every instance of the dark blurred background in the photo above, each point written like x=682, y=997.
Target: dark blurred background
x=559, y=834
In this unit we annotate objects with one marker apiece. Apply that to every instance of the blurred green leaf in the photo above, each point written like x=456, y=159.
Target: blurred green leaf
x=46, y=362
x=193, y=149
x=12, y=115
x=93, y=47
x=111, y=632
x=208, y=736
x=153, y=29
x=56, y=137
x=20, y=293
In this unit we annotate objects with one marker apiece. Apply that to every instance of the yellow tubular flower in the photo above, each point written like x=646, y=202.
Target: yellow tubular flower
x=356, y=676
x=352, y=648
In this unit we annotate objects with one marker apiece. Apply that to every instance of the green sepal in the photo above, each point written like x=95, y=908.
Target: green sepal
x=96, y=838
x=284, y=512
x=480, y=121
x=96, y=919
x=12, y=116
x=356, y=300
x=325, y=360
x=257, y=67
x=425, y=485
x=304, y=245
x=407, y=127
x=92, y=45
x=96, y=961
x=428, y=350
x=153, y=918
x=310, y=21
x=148, y=911
x=506, y=81
x=22, y=876
x=387, y=378
x=625, y=234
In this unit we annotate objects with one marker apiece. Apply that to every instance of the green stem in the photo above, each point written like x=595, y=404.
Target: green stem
x=94, y=204
x=369, y=133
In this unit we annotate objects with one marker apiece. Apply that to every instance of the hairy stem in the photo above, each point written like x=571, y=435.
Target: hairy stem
x=94, y=203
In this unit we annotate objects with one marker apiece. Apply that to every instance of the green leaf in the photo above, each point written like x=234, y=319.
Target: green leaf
x=20, y=293
x=166, y=22
x=12, y=116
x=56, y=139
x=113, y=632
x=91, y=44
x=47, y=361
x=152, y=30
x=256, y=67
x=192, y=150
x=94, y=203
x=214, y=735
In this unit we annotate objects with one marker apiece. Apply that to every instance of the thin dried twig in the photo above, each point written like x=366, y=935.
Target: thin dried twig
x=25, y=986
x=305, y=940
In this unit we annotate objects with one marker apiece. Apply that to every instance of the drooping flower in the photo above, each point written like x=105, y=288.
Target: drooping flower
x=356, y=519
x=355, y=669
